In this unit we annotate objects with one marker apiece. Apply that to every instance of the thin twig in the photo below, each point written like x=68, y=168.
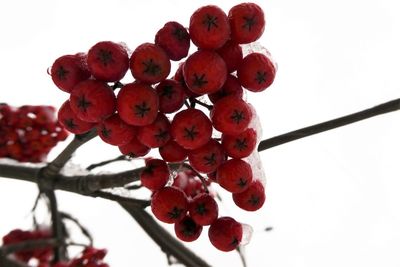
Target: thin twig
x=209, y=107
x=201, y=177
x=331, y=124
x=83, y=229
x=239, y=250
x=29, y=245
x=102, y=163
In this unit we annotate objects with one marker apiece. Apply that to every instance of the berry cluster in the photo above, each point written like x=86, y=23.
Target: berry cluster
x=90, y=257
x=149, y=113
x=28, y=133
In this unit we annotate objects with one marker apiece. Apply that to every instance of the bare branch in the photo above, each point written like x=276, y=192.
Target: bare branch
x=96, y=165
x=29, y=245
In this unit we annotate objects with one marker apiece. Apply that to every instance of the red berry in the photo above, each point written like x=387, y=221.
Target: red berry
x=67, y=71
x=134, y=148
x=256, y=72
x=252, y=198
x=231, y=115
x=204, y=72
x=209, y=27
x=155, y=134
x=191, y=128
x=171, y=96
x=232, y=54
x=247, y=23
x=137, y=104
x=231, y=86
x=203, y=209
x=225, y=233
x=241, y=145
x=172, y=152
x=115, y=131
x=234, y=175
x=187, y=229
x=174, y=39
x=179, y=78
x=149, y=63
x=108, y=61
x=207, y=158
x=155, y=175
x=92, y=101
x=169, y=204
x=71, y=122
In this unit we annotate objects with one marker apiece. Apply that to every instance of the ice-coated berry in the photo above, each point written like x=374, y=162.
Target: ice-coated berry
x=235, y=175
x=171, y=95
x=172, y=152
x=252, y=198
x=174, y=39
x=241, y=145
x=208, y=157
x=225, y=233
x=231, y=86
x=232, y=54
x=169, y=204
x=203, y=209
x=155, y=174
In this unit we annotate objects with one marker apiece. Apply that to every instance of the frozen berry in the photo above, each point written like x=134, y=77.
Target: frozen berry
x=115, y=131
x=172, y=152
x=232, y=54
x=231, y=115
x=256, y=72
x=203, y=209
x=169, y=204
x=108, y=61
x=252, y=198
x=171, y=96
x=235, y=175
x=191, y=128
x=70, y=121
x=247, y=22
x=241, y=145
x=225, y=233
x=149, y=63
x=179, y=78
x=137, y=104
x=134, y=148
x=155, y=134
x=67, y=71
x=209, y=27
x=187, y=229
x=174, y=39
x=231, y=86
x=92, y=101
x=208, y=157
x=204, y=72
x=155, y=175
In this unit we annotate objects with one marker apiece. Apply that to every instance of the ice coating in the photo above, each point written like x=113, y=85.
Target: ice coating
x=258, y=48
x=247, y=234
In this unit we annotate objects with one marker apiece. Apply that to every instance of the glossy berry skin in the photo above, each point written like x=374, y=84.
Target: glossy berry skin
x=172, y=152
x=92, y=101
x=67, y=71
x=252, y=198
x=208, y=157
x=203, y=209
x=174, y=39
x=169, y=204
x=179, y=78
x=241, y=145
x=171, y=95
x=191, y=128
x=231, y=115
x=234, y=175
x=115, y=131
x=204, y=72
x=225, y=233
x=187, y=229
x=247, y=22
x=71, y=122
x=209, y=27
x=108, y=61
x=256, y=72
x=134, y=148
x=155, y=175
x=137, y=104
x=155, y=134
x=149, y=63
x=232, y=54
x=231, y=86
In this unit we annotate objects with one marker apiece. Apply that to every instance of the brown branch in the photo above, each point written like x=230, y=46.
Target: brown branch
x=29, y=245
x=167, y=243
x=96, y=165
x=331, y=124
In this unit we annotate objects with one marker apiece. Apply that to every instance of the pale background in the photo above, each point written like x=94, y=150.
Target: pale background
x=333, y=199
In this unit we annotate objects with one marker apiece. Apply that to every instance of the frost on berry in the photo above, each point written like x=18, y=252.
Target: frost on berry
x=225, y=233
x=169, y=204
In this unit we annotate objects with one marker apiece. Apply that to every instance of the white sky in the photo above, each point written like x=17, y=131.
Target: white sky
x=332, y=199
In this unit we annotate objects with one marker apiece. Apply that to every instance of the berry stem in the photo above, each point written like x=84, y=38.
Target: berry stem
x=328, y=125
x=85, y=232
x=201, y=177
x=209, y=107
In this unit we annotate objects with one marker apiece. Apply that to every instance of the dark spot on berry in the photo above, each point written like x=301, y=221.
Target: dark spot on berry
x=106, y=132
x=167, y=91
x=210, y=21
x=249, y=22
x=237, y=116
x=201, y=209
x=162, y=135
x=175, y=213
x=105, y=57
x=242, y=182
x=261, y=77
x=151, y=68
x=180, y=34
x=62, y=73
x=190, y=133
x=83, y=103
x=210, y=160
x=189, y=227
x=142, y=109
x=70, y=124
x=149, y=169
x=199, y=81
x=234, y=242
x=240, y=144
x=254, y=200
